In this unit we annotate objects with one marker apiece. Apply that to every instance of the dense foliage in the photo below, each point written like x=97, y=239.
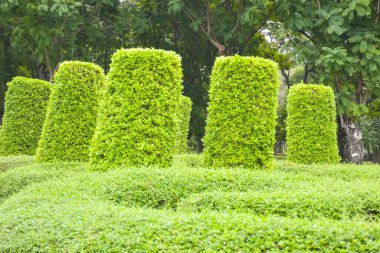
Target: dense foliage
x=371, y=136
x=334, y=207
x=10, y=162
x=137, y=122
x=311, y=125
x=342, y=49
x=25, y=111
x=242, y=113
x=72, y=111
x=184, y=120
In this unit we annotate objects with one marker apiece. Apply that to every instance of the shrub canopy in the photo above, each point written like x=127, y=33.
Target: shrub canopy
x=241, y=119
x=25, y=110
x=311, y=125
x=72, y=112
x=184, y=121
x=137, y=124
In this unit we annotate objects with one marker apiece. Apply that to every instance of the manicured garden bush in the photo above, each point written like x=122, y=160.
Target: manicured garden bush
x=137, y=124
x=184, y=121
x=80, y=225
x=311, y=125
x=242, y=113
x=25, y=110
x=356, y=201
x=72, y=113
x=16, y=179
x=10, y=162
x=292, y=208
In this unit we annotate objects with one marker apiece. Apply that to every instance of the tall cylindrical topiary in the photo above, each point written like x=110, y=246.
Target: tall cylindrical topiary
x=311, y=125
x=25, y=109
x=137, y=125
x=72, y=112
x=184, y=121
x=241, y=119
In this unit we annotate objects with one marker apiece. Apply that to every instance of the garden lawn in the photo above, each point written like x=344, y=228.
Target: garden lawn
x=61, y=207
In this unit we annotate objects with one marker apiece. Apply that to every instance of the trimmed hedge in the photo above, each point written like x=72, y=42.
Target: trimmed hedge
x=137, y=125
x=82, y=225
x=25, y=110
x=356, y=201
x=46, y=210
x=241, y=119
x=184, y=121
x=311, y=125
x=15, y=180
x=11, y=162
x=72, y=112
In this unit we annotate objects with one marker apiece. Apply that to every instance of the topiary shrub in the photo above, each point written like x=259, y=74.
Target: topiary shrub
x=25, y=109
x=242, y=113
x=72, y=112
x=311, y=125
x=137, y=125
x=184, y=121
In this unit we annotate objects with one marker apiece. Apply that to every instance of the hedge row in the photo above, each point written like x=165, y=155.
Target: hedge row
x=10, y=162
x=284, y=193
x=311, y=125
x=25, y=108
x=22, y=175
x=312, y=202
x=184, y=121
x=137, y=123
x=241, y=118
x=72, y=113
x=81, y=225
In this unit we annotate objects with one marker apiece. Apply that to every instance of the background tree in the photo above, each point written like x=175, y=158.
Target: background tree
x=344, y=50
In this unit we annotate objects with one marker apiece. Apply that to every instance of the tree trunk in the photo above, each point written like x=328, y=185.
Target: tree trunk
x=354, y=138
x=342, y=141
x=286, y=76
x=376, y=155
x=200, y=147
x=42, y=73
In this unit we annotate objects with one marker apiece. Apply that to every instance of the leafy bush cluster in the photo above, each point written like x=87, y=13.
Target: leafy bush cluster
x=72, y=113
x=25, y=110
x=241, y=119
x=23, y=174
x=201, y=209
x=10, y=162
x=96, y=226
x=311, y=125
x=184, y=121
x=137, y=123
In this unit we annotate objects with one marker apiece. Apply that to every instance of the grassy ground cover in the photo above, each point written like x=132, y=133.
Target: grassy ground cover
x=188, y=208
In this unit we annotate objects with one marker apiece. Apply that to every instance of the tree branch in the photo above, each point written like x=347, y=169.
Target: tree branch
x=307, y=36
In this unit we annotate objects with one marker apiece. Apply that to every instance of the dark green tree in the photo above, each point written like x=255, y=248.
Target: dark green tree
x=343, y=46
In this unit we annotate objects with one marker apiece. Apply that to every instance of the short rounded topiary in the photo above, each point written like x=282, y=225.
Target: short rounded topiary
x=137, y=124
x=311, y=125
x=72, y=112
x=184, y=121
x=241, y=119
x=25, y=109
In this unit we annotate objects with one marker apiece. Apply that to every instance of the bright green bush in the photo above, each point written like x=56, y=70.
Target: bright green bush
x=25, y=110
x=184, y=121
x=14, y=180
x=82, y=225
x=137, y=125
x=325, y=207
x=242, y=113
x=356, y=201
x=10, y=162
x=311, y=125
x=72, y=112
